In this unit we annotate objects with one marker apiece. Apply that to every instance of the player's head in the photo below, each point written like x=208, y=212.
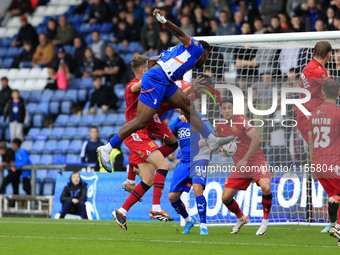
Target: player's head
x=330, y=89
x=94, y=133
x=206, y=51
x=139, y=64
x=322, y=50
x=227, y=109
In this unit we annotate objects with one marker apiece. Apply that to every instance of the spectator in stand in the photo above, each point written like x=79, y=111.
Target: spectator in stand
x=238, y=18
x=7, y=155
x=62, y=58
x=258, y=25
x=120, y=32
x=24, y=59
x=336, y=5
x=336, y=21
x=186, y=26
x=320, y=25
x=61, y=77
x=22, y=159
x=65, y=32
x=226, y=27
x=330, y=17
x=148, y=9
x=265, y=88
x=103, y=97
x=312, y=10
x=88, y=152
x=150, y=35
x=15, y=110
x=268, y=8
x=51, y=31
x=201, y=23
x=51, y=81
x=217, y=7
x=296, y=25
x=275, y=25
x=44, y=53
x=114, y=66
x=134, y=10
x=164, y=41
x=283, y=21
x=73, y=197
x=213, y=27
x=246, y=29
x=133, y=28
x=99, y=12
x=77, y=55
x=291, y=5
x=5, y=94
x=91, y=65
x=98, y=46
x=17, y=8
x=249, y=10
x=26, y=33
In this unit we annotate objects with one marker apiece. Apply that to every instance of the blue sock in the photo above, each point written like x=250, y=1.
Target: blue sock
x=180, y=208
x=115, y=141
x=205, y=131
x=202, y=208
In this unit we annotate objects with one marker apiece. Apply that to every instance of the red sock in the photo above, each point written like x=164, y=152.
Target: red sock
x=338, y=222
x=166, y=150
x=267, y=205
x=131, y=174
x=158, y=186
x=135, y=195
x=234, y=208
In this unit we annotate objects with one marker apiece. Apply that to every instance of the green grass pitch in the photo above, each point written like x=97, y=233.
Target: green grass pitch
x=47, y=236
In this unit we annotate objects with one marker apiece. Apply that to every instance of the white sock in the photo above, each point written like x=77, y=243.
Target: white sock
x=337, y=226
x=203, y=225
x=122, y=211
x=332, y=224
x=156, y=208
x=187, y=219
x=131, y=182
x=242, y=218
x=107, y=147
x=265, y=222
x=211, y=139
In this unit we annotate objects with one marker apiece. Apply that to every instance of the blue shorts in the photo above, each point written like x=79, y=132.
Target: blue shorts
x=156, y=87
x=184, y=175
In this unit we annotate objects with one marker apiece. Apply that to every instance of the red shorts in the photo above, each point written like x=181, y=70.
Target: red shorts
x=303, y=124
x=330, y=185
x=241, y=180
x=158, y=129
x=140, y=146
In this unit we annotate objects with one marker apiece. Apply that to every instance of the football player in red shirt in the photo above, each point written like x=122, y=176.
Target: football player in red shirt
x=247, y=156
x=324, y=140
x=312, y=78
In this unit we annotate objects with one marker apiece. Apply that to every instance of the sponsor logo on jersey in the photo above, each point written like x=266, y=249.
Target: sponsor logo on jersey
x=183, y=133
x=151, y=144
x=136, y=137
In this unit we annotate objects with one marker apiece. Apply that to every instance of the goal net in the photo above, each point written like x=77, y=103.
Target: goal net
x=261, y=66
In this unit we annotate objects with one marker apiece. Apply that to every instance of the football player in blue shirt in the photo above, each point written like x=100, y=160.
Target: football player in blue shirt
x=190, y=171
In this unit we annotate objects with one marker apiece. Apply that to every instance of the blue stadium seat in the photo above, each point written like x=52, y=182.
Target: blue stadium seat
x=7, y=63
x=127, y=58
x=65, y=107
x=12, y=52
x=46, y=159
x=88, y=39
x=106, y=27
x=59, y=159
x=75, y=147
x=38, y=120
x=75, y=83
x=135, y=46
x=73, y=121
x=27, y=145
x=78, y=18
x=50, y=146
x=3, y=51
x=32, y=133
x=61, y=120
x=45, y=132
x=57, y=132
x=59, y=95
x=71, y=94
x=43, y=107
x=62, y=146
x=69, y=133
x=46, y=96
x=38, y=146
x=6, y=42
x=41, y=175
x=82, y=95
x=86, y=83
x=7, y=135
x=85, y=28
x=99, y=119
x=72, y=159
x=68, y=49
x=25, y=94
x=34, y=158
x=54, y=107
x=83, y=132
x=119, y=90
x=86, y=120
x=106, y=37
x=31, y=107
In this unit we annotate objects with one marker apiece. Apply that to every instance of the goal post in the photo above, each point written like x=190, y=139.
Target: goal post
x=264, y=68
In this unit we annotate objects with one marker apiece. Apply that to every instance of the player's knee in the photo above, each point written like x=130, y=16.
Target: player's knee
x=198, y=190
x=163, y=164
x=226, y=199
x=148, y=181
x=141, y=124
x=266, y=190
x=172, y=197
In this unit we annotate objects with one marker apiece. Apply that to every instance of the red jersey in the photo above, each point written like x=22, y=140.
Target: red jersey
x=239, y=129
x=131, y=99
x=325, y=127
x=312, y=78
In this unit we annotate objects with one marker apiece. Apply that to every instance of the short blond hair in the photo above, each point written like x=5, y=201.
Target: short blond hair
x=138, y=61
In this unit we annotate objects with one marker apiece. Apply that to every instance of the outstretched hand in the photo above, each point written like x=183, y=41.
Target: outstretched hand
x=198, y=82
x=159, y=15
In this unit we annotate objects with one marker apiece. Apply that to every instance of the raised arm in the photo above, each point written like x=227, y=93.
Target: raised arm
x=171, y=27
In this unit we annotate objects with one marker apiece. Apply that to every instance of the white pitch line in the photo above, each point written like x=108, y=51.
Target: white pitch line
x=167, y=241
